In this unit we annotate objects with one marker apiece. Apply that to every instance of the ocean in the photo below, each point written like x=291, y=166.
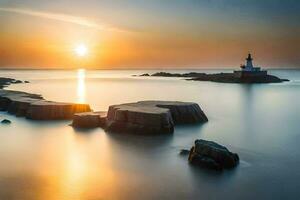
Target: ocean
x=51, y=160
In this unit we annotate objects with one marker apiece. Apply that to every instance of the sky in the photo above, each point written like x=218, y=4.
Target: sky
x=145, y=34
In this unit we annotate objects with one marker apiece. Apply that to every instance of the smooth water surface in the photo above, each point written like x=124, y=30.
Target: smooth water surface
x=51, y=160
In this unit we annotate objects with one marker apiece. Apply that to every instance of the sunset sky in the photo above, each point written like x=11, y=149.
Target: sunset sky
x=128, y=34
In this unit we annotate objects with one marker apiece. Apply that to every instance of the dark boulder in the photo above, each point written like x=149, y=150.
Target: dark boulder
x=212, y=155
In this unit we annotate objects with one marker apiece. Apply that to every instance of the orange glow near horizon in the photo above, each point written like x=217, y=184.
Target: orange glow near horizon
x=30, y=39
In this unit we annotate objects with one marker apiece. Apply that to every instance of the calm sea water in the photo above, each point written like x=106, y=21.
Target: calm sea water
x=51, y=160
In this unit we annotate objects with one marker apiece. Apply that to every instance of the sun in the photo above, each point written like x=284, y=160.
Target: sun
x=81, y=50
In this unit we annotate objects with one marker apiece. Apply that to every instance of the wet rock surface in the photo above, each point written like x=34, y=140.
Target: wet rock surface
x=212, y=155
x=152, y=117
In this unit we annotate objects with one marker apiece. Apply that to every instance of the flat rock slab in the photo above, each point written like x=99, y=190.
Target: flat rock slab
x=89, y=120
x=35, y=107
x=152, y=117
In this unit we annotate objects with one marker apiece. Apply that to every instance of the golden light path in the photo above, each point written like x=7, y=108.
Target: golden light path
x=81, y=86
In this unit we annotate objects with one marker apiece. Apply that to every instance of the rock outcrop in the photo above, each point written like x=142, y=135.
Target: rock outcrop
x=152, y=117
x=34, y=107
x=89, y=120
x=212, y=155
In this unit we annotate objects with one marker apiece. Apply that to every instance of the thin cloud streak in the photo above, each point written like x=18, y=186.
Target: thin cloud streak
x=63, y=18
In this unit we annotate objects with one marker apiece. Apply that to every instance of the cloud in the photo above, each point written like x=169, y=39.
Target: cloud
x=63, y=18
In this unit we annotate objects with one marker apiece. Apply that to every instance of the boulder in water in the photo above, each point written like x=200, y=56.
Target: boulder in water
x=212, y=155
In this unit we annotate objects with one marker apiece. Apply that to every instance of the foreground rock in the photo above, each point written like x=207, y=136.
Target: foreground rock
x=212, y=155
x=152, y=117
x=89, y=120
x=34, y=107
x=222, y=77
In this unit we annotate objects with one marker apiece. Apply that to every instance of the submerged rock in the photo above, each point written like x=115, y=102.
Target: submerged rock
x=184, y=152
x=5, y=121
x=152, y=117
x=212, y=155
x=89, y=120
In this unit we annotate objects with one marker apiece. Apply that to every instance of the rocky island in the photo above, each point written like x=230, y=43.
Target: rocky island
x=247, y=74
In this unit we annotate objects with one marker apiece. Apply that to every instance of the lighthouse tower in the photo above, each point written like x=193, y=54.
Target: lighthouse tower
x=248, y=70
x=249, y=65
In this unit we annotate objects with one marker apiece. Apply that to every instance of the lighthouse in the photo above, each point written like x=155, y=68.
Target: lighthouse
x=248, y=70
x=249, y=65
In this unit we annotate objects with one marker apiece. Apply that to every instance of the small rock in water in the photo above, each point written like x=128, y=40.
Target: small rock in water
x=26, y=82
x=89, y=119
x=17, y=81
x=5, y=121
x=212, y=155
x=184, y=152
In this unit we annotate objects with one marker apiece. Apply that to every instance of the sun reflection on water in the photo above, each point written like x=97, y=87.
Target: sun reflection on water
x=81, y=86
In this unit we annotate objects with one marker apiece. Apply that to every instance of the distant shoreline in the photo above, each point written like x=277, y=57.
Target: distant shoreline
x=219, y=77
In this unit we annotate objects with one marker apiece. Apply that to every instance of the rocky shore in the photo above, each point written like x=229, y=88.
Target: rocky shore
x=220, y=77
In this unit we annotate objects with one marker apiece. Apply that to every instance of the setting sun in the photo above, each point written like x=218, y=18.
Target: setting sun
x=81, y=50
